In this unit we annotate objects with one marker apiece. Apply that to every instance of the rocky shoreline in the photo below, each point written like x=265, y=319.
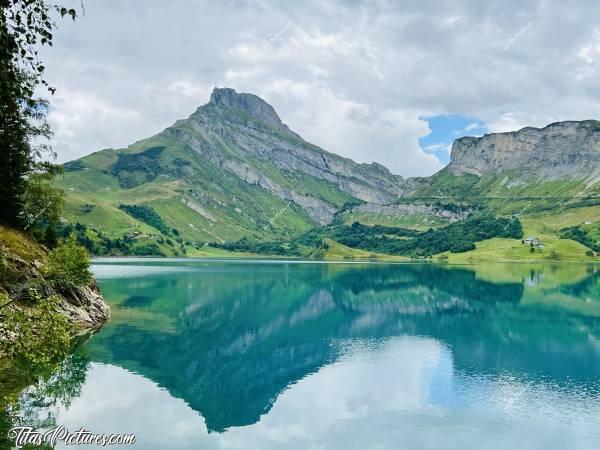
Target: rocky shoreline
x=23, y=286
x=85, y=306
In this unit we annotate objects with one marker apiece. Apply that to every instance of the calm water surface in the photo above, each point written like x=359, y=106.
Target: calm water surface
x=280, y=355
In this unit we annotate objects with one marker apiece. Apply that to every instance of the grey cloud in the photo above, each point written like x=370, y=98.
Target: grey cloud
x=351, y=76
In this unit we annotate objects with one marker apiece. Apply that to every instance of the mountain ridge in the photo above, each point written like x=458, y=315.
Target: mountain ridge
x=231, y=169
x=234, y=169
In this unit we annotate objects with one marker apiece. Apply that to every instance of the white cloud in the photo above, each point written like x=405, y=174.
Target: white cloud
x=510, y=121
x=472, y=126
x=435, y=147
x=73, y=113
x=590, y=52
x=188, y=88
x=352, y=76
x=438, y=147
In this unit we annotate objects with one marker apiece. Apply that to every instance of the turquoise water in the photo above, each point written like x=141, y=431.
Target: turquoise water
x=288, y=355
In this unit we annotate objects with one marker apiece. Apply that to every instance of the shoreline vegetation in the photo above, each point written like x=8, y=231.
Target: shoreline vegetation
x=49, y=303
x=46, y=297
x=47, y=292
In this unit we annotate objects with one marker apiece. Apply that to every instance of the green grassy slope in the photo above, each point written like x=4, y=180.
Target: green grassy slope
x=545, y=207
x=203, y=202
x=512, y=192
x=207, y=204
x=231, y=209
x=335, y=251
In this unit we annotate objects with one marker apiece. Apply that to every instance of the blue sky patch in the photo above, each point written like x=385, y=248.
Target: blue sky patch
x=445, y=129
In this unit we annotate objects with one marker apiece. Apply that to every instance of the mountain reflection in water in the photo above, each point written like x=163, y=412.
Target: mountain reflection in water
x=237, y=341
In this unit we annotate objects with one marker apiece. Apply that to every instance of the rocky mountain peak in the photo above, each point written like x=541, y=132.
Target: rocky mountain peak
x=249, y=103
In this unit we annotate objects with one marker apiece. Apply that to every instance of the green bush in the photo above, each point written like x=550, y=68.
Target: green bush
x=133, y=169
x=462, y=246
x=69, y=265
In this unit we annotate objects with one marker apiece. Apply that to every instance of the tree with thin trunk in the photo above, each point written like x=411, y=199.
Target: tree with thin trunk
x=25, y=25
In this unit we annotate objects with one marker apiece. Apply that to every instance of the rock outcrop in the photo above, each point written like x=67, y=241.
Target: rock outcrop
x=250, y=103
x=22, y=276
x=412, y=209
x=84, y=306
x=562, y=149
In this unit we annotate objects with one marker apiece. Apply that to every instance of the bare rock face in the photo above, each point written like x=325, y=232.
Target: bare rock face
x=237, y=131
x=250, y=103
x=319, y=210
x=85, y=306
x=558, y=150
x=402, y=210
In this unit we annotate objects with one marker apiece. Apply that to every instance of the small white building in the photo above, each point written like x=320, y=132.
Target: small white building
x=533, y=241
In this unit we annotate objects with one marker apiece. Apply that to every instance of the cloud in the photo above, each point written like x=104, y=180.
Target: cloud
x=442, y=146
x=352, y=76
x=510, y=121
x=590, y=52
x=472, y=126
x=72, y=116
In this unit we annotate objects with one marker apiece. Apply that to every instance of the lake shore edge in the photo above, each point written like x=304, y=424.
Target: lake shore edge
x=30, y=302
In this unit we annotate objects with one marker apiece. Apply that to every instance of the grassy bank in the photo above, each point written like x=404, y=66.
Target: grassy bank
x=46, y=297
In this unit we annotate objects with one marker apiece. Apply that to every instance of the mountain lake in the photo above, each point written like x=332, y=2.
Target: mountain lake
x=261, y=354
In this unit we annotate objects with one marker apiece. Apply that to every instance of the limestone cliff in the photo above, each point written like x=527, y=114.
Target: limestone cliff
x=562, y=149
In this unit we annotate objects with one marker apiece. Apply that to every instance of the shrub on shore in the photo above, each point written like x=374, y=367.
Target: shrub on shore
x=69, y=265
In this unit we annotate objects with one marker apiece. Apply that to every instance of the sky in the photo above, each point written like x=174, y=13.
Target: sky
x=375, y=80
x=444, y=129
